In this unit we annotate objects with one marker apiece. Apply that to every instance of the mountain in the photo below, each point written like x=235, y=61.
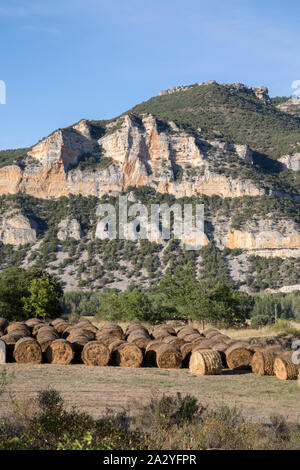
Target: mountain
x=230, y=147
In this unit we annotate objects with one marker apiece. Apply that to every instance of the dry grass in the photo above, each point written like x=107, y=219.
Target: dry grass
x=93, y=389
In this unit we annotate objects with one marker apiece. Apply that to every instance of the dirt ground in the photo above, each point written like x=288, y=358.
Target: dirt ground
x=93, y=389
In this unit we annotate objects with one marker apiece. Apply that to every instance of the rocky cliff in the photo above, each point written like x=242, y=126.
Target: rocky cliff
x=140, y=153
x=189, y=142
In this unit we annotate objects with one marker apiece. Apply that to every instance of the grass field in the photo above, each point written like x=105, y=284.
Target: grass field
x=93, y=389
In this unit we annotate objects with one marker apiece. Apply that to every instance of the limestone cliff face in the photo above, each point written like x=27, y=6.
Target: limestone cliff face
x=266, y=238
x=17, y=230
x=141, y=153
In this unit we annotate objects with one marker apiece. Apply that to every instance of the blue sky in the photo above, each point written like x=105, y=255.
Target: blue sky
x=63, y=60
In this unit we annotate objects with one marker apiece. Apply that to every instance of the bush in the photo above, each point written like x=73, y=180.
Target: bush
x=168, y=422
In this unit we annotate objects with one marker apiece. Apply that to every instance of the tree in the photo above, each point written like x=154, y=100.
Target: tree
x=196, y=300
x=16, y=286
x=42, y=299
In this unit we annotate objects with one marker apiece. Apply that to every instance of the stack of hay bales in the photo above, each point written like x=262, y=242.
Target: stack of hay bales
x=13, y=332
x=207, y=353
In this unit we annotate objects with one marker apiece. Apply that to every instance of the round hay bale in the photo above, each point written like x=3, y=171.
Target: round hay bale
x=19, y=330
x=228, y=341
x=87, y=325
x=174, y=341
x=210, y=330
x=113, y=346
x=142, y=343
x=56, y=321
x=198, y=340
x=190, y=338
x=161, y=333
x=95, y=353
x=106, y=338
x=31, y=322
x=3, y=323
x=186, y=350
x=38, y=326
x=218, y=338
x=46, y=329
x=206, y=344
x=60, y=351
x=168, y=357
x=211, y=334
x=17, y=326
x=263, y=362
x=205, y=362
x=134, y=326
x=69, y=332
x=117, y=332
x=45, y=341
x=187, y=331
x=137, y=334
x=27, y=351
x=221, y=348
x=284, y=368
x=61, y=327
x=170, y=330
x=110, y=325
x=239, y=356
x=127, y=355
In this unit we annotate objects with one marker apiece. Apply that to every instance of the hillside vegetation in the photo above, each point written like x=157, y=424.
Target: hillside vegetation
x=239, y=115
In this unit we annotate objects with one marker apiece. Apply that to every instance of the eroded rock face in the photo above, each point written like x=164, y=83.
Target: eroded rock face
x=17, y=230
x=142, y=151
x=69, y=228
x=291, y=162
x=266, y=238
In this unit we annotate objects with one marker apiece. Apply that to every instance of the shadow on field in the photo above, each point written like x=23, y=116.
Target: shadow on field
x=236, y=372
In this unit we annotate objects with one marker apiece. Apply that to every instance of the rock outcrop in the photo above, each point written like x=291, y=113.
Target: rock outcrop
x=291, y=162
x=266, y=238
x=291, y=106
x=69, y=228
x=17, y=230
x=262, y=92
